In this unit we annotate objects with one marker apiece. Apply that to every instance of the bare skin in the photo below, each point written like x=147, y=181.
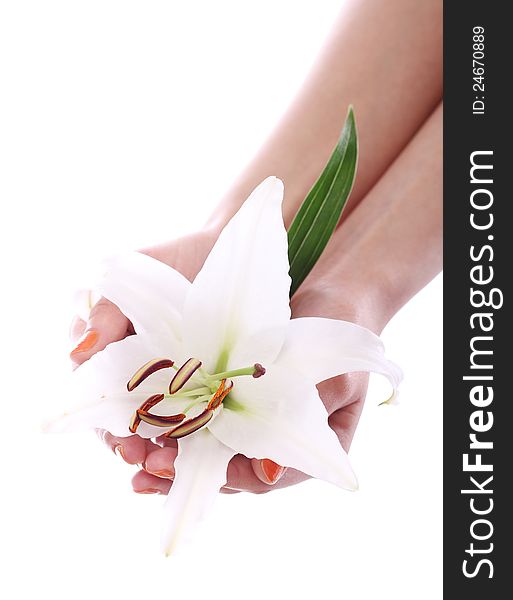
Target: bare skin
x=388, y=245
x=371, y=268
x=382, y=56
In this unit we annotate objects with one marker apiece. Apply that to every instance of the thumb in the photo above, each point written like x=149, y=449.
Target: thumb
x=106, y=324
x=267, y=470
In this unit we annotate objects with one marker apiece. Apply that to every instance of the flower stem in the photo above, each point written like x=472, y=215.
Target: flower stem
x=190, y=393
x=194, y=402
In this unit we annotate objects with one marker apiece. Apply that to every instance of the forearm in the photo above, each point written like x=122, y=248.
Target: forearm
x=382, y=56
x=391, y=245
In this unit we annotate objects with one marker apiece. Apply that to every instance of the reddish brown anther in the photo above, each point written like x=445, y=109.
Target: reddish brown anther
x=184, y=373
x=135, y=421
x=222, y=391
x=151, y=401
x=148, y=369
x=160, y=420
x=191, y=425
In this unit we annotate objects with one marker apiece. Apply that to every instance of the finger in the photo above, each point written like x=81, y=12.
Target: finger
x=267, y=471
x=242, y=477
x=160, y=462
x=106, y=324
x=343, y=390
x=145, y=483
x=167, y=442
x=344, y=421
x=132, y=449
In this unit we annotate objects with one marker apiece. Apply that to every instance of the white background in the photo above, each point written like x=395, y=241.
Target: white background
x=121, y=124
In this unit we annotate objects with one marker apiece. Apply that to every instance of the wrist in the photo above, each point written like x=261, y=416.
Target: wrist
x=341, y=298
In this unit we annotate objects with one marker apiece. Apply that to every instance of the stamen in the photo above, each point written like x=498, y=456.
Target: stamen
x=151, y=402
x=160, y=420
x=194, y=393
x=191, y=425
x=135, y=421
x=148, y=369
x=184, y=373
x=221, y=393
x=215, y=401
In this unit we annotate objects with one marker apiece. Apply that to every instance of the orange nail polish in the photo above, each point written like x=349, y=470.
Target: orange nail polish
x=271, y=470
x=164, y=473
x=86, y=342
x=148, y=491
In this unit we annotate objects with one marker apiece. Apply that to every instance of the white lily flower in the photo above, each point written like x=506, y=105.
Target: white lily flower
x=219, y=365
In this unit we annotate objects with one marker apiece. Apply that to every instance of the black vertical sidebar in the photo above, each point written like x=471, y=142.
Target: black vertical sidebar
x=478, y=268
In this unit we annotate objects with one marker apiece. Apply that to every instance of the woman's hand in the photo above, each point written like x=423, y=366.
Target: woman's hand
x=107, y=324
x=343, y=396
x=388, y=249
x=391, y=239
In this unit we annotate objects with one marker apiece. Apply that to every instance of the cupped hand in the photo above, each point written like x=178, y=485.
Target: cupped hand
x=343, y=396
x=108, y=324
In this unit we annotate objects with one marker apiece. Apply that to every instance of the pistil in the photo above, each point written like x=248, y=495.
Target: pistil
x=257, y=370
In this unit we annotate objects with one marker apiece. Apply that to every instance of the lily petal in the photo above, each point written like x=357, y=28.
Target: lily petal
x=109, y=371
x=98, y=393
x=114, y=413
x=200, y=471
x=148, y=292
x=337, y=347
x=285, y=420
x=243, y=287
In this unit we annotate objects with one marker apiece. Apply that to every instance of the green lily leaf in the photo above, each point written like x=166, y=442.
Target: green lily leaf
x=320, y=211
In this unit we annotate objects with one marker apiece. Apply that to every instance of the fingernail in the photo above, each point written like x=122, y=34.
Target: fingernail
x=86, y=342
x=118, y=449
x=272, y=471
x=164, y=473
x=148, y=491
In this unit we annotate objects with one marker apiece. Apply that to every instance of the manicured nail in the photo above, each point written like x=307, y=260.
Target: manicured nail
x=271, y=470
x=119, y=450
x=164, y=473
x=148, y=491
x=86, y=342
